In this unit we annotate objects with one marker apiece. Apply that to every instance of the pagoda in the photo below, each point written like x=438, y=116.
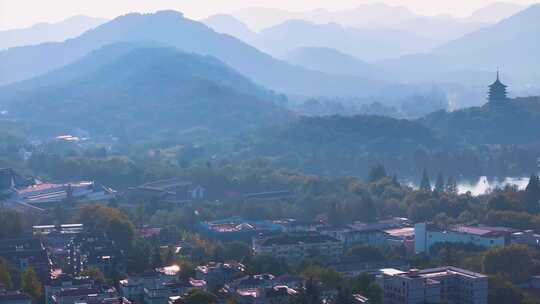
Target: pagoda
x=497, y=92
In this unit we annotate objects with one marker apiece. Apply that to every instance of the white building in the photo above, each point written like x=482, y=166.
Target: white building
x=427, y=235
x=449, y=285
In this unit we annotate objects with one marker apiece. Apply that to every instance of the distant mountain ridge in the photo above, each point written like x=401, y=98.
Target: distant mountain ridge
x=509, y=45
x=331, y=61
x=48, y=32
x=440, y=28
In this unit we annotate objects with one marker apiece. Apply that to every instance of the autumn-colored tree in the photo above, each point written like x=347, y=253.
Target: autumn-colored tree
x=31, y=285
x=5, y=276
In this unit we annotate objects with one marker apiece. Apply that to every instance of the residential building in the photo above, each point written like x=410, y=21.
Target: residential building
x=270, y=295
x=437, y=285
x=373, y=234
x=426, y=235
x=298, y=246
x=350, y=236
x=27, y=252
x=218, y=274
x=528, y=237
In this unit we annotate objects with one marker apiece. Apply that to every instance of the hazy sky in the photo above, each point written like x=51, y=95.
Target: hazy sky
x=21, y=13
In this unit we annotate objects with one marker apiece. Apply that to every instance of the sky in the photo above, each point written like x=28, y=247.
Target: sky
x=24, y=13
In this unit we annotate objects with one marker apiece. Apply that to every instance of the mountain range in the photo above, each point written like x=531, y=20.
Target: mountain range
x=48, y=32
x=509, y=45
x=171, y=28
x=137, y=91
x=380, y=15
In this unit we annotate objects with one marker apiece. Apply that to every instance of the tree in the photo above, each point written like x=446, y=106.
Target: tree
x=344, y=296
x=237, y=251
x=111, y=221
x=502, y=292
x=365, y=284
x=377, y=173
x=308, y=295
x=366, y=252
x=197, y=296
x=5, y=276
x=95, y=274
x=11, y=223
x=496, y=262
x=439, y=184
x=31, y=284
x=451, y=186
x=425, y=183
x=532, y=194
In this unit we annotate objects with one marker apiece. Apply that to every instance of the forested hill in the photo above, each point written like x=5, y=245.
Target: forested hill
x=516, y=122
x=145, y=92
x=342, y=145
x=490, y=140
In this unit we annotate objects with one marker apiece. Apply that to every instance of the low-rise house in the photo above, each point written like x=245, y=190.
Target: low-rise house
x=218, y=274
x=162, y=293
x=297, y=246
x=351, y=266
x=66, y=282
x=437, y=285
x=76, y=295
x=426, y=235
x=133, y=287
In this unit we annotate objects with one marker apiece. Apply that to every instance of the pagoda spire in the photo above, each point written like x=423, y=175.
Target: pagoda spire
x=497, y=91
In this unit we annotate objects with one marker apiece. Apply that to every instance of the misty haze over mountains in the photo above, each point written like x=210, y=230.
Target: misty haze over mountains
x=48, y=32
x=368, y=56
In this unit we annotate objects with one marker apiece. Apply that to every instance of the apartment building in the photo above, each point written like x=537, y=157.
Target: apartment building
x=298, y=246
x=449, y=285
